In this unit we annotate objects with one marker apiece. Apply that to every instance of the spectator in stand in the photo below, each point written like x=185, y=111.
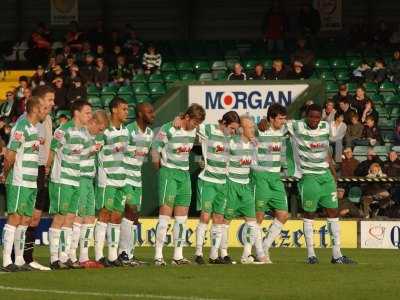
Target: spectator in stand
x=362, y=73
x=346, y=207
x=121, y=74
x=394, y=68
x=57, y=71
x=360, y=100
x=8, y=108
x=391, y=168
x=363, y=167
x=39, y=77
x=343, y=93
x=370, y=110
x=237, y=73
x=278, y=71
x=397, y=133
x=258, y=73
x=23, y=85
x=379, y=71
x=61, y=56
x=112, y=58
x=73, y=73
x=62, y=119
x=100, y=51
x=21, y=102
x=297, y=72
x=135, y=59
x=336, y=134
x=349, y=163
x=274, y=25
x=60, y=91
x=371, y=135
x=86, y=49
x=328, y=113
x=382, y=36
x=50, y=64
x=39, y=45
x=70, y=61
x=305, y=56
x=151, y=60
x=76, y=91
x=87, y=69
x=346, y=110
x=74, y=37
x=354, y=130
x=100, y=73
x=374, y=193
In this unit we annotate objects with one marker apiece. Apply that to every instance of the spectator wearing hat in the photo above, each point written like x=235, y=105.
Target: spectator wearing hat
x=121, y=74
x=39, y=77
x=354, y=130
x=151, y=60
x=363, y=167
x=297, y=72
x=258, y=73
x=349, y=163
x=76, y=91
x=87, y=69
x=60, y=98
x=101, y=73
x=237, y=73
x=343, y=93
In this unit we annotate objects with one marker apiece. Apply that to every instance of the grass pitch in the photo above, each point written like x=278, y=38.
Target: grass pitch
x=374, y=277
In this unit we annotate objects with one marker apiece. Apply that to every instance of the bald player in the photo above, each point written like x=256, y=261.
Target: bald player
x=139, y=143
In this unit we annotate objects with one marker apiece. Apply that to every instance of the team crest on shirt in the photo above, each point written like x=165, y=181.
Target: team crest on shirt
x=18, y=135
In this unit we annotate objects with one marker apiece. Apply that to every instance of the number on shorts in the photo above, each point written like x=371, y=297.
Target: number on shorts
x=334, y=197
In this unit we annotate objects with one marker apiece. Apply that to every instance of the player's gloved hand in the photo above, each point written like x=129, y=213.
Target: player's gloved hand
x=263, y=125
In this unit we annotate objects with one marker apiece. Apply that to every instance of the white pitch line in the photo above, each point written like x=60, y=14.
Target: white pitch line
x=97, y=294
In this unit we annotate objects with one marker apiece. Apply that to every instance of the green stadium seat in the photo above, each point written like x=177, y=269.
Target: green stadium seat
x=342, y=76
x=125, y=90
x=331, y=87
x=95, y=101
x=109, y=90
x=142, y=99
x=157, y=89
x=187, y=76
x=131, y=99
x=249, y=64
x=205, y=77
x=327, y=75
x=386, y=87
x=231, y=62
x=353, y=63
x=168, y=67
x=106, y=99
x=385, y=123
x=184, y=66
x=355, y=194
x=338, y=63
x=382, y=112
x=351, y=86
x=322, y=64
x=139, y=78
x=376, y=98
x=171, y=77
x=201, y=66
x=391, y=99
x=155, y=78
x=220, y=76
x=92, y=90
x=218, y=65
x=371, y=87
x=267, y=63
x=140, y=89
x=170, y=85
x=395, y=112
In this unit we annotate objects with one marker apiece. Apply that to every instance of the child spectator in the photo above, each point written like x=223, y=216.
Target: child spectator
x=354, y=130
x=237, y=73
x=121, y=74
x=258, y=73
x=151, y=60
x=100, y=73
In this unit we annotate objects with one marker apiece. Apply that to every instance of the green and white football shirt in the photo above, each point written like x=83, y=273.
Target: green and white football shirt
x=174, y=146
x=138, y=148
x=111, y=169
x=215, y=147
x=89, y=154
x=24, y=140
x=241, y=157
x=68, y=143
